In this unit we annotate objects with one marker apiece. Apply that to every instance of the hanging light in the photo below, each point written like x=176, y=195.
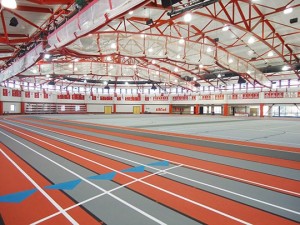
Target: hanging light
x=11, y=4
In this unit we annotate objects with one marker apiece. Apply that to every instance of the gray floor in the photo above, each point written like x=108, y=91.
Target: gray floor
x=277, y=131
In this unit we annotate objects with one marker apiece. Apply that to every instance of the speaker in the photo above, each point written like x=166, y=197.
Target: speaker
x=167, y=3
x=241, y=80
x=294, y=20
x=149, y=22
x=13, y=22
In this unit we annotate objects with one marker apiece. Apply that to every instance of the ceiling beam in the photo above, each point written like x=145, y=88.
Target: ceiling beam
x=33, y=9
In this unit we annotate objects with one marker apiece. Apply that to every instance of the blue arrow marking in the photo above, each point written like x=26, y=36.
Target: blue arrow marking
x=106, y=176
x=69, y=185
x=138, y=169
x=160, y=163
x=17, y=197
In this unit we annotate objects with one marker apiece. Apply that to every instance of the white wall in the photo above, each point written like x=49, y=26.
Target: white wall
x=126, y=108
x=96, y=108
x=157, y=108
x=7, y=107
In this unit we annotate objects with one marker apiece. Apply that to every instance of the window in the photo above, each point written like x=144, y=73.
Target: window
x=12, y=108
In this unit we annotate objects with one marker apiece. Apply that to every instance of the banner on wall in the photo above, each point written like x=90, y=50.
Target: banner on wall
x=36, y=95
x=274, y=94
x=106, y=98
x=234, y=96
x=16, y=93
x=299, y=94
x=5, y=92
x=161, y=98
x=46, y=95
x=67, y=96
x=77, y=96
x=206, y=97
x=250, y=96
x=219, y=97
x=27, y=94
x=132, y=98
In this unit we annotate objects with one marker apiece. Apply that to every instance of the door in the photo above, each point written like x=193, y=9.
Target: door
x=136, y=109
x=107, y=109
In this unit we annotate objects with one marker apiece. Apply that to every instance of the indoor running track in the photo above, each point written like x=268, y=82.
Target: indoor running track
x=66, y=172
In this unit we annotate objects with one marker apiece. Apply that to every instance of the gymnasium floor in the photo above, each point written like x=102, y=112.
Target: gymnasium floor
x=149, y=169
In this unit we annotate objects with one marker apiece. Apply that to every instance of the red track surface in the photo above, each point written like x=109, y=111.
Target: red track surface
x=36, y=206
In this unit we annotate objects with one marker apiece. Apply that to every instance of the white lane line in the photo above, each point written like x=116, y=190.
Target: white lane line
x=146, y=183
x=86, y=180
x=38, y=187
x=182, y=177
x=139, y=153
x=102, y=194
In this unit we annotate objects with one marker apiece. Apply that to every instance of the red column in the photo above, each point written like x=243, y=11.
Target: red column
x=114, y=108
x=22, y=107
x=143, y=108
x=1, y=108
x=261, y=110
x=170, y=108
x=225, y=110
x=197, y=107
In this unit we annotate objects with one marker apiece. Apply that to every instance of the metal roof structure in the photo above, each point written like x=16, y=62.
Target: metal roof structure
x=139, y=42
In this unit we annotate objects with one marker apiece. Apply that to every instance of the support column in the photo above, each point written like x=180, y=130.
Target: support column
x=1, y=108
x=225, y=110
x=197, y=107
x=170, y=109
x=22, y=107
x=143, y=108
x=115, y=108
x=261, y=110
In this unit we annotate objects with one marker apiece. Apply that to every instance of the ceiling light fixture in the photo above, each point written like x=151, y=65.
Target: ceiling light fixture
x=288, y=10
x=285, y=68
x=11, y=4
x=176, y=69
x=47, y=56
x=181, y=41
x=251, y=40
x=150, y=50
x=130, y=12
x=225, y=28
x=270, y=54
x=113, y=45
x=209, y=49
x=187, y=17
x=230, y=61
